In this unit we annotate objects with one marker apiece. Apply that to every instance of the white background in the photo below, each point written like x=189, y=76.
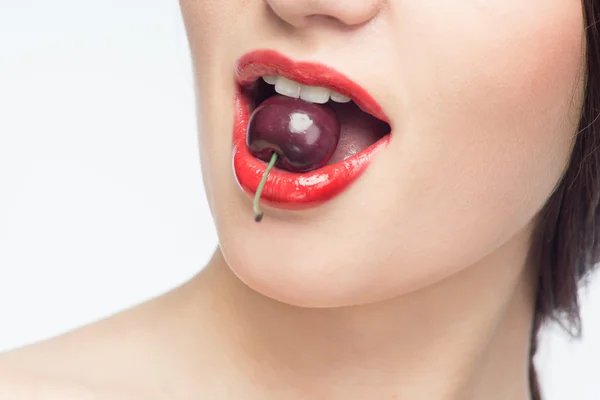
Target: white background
x=101, y=201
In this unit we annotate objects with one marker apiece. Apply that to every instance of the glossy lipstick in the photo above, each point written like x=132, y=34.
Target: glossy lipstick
x=290, y=190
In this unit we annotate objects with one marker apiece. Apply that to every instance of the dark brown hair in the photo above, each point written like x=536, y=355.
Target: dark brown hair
x=564, y=245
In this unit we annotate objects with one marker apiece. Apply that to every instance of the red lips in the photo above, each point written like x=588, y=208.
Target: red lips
x=285, y=189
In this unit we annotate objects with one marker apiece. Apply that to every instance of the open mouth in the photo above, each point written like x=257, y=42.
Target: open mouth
x=268, y=79
x=358, y=129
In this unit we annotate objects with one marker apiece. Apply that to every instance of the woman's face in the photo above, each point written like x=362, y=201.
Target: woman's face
x=483, y=100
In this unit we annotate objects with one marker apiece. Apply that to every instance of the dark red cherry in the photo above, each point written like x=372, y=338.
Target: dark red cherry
x=304, y=135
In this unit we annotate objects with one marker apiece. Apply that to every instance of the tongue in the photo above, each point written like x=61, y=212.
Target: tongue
x=359, y=130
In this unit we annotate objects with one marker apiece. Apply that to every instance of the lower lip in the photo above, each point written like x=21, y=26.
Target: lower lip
x=289, y=190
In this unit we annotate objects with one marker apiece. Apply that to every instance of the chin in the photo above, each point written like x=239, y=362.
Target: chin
x=280, y=267
x=293, y=264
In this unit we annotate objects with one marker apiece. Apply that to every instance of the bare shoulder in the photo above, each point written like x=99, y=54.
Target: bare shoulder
x=37, y=374
x=23, y=379
x=23, y=385
x=118, y=358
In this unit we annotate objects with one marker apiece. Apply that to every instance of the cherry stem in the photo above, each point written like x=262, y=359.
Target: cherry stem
x=257, y=213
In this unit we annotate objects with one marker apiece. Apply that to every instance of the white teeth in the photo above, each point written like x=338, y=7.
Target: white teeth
x=270, y=79
x=287, y=87
x=339, y=98
x=312, y=94
x=315, y=94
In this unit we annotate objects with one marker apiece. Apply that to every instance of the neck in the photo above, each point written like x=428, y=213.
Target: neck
x=466, y=337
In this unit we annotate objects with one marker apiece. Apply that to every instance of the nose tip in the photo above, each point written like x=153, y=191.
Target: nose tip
x=299, y=13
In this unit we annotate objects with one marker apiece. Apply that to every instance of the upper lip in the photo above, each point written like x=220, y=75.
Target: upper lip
x=256, y=64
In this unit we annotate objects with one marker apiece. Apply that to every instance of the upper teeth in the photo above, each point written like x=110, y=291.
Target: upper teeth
x=313, y=94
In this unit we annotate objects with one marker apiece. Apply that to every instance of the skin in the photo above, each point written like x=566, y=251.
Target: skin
x=413, y=284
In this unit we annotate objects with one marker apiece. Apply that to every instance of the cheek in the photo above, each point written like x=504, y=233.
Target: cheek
x=208, y=24
x=495, y=96
x=491, y=103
